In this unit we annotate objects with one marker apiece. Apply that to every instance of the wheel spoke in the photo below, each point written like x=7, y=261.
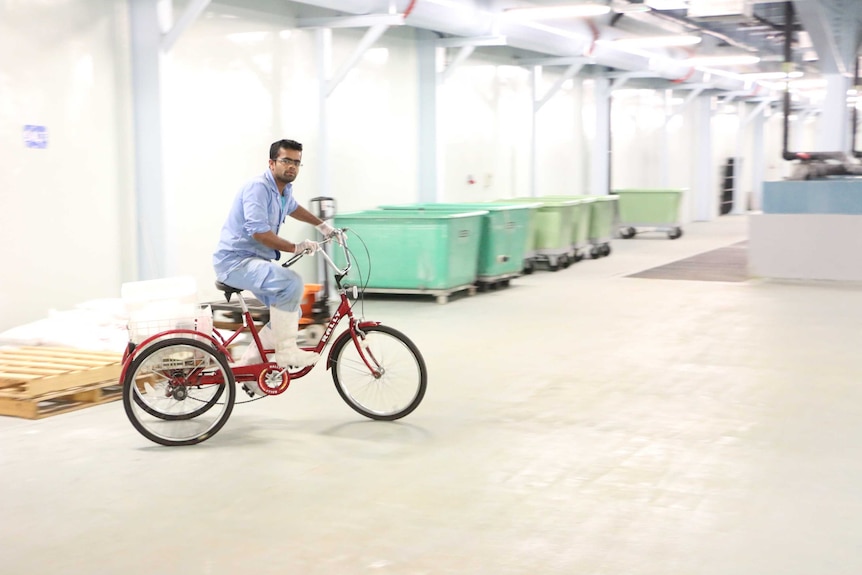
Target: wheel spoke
x=395, y=388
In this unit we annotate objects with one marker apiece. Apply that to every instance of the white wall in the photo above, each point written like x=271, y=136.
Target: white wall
x=486, y=122
x=231, y=88
x=63, y=208
x=484, y=117
x=639, y=128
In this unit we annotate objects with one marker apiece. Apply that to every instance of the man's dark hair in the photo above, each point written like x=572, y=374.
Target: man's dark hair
x=286, y=144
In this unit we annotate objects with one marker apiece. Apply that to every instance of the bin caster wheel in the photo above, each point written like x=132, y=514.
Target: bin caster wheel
x=595, y=253
x=627, y=233
x=675, y=233
x=528, y=267
x=606, y=249
x=564, y=262
x=578, y=256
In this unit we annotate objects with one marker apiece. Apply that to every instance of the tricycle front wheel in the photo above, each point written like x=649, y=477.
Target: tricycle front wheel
x=381, y=374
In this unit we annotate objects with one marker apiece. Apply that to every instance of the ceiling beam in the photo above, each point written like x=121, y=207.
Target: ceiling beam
x=364, y=21
x=555, y=61
x=831, y=32
x=368, y=40
x=456, y=42
x=188, y=17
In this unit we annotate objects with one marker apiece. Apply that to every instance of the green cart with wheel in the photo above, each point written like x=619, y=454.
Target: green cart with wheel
x=502, y=239
x=597, y=225
x=552, y=234
x=649, y=210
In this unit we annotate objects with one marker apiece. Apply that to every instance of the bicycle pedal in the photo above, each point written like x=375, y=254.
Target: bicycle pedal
x=248, y=392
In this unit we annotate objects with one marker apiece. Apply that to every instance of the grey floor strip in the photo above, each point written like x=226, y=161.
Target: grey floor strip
x=727, y=264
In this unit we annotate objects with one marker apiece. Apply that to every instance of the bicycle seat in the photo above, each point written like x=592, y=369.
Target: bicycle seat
x=228, y=290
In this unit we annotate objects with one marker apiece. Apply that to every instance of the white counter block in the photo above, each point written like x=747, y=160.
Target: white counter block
x=805, y=246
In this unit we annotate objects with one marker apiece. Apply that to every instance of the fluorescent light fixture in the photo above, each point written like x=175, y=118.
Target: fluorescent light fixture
x=808, y=84
x=772, y=75
x=722, y=60
x=667, y=4
x=567, y=11
x=658, y=41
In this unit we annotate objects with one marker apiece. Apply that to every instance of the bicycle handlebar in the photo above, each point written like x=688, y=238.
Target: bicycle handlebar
x=339, y=273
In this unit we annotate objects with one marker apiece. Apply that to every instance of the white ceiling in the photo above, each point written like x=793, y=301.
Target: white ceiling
x=824, y=34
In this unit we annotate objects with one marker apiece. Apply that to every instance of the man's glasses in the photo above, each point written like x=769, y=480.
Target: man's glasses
x=296, y=163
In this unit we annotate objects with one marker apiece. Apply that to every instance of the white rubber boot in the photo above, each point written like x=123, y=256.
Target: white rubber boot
x=285, y=328
x=251, y=355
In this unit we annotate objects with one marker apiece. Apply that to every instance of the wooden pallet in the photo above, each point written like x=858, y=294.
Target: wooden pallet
x=36, y=382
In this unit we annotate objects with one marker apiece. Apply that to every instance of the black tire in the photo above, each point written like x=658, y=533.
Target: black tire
x=606, y=249
x=627, y=233
x=675, y=233
x=528, y=267
x=397, y=356
x=162, y=400
x=595, y=252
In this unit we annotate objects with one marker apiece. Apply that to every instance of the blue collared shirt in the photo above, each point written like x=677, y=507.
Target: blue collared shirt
x=257, y=208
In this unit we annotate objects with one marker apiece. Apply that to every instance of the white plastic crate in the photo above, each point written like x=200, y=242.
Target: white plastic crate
x=155, y=306
x=201, y=320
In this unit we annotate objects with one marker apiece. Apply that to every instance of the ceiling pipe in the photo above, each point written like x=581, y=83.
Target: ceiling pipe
x=854, y=115
x=788, y=62
x=353, y=7
x=469, y=18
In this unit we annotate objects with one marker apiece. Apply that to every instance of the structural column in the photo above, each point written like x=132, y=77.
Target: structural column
x=834, y=132
x=601, y=161
x=147, y=122
x=757, y=163
x=428, y=168
x=704, y=191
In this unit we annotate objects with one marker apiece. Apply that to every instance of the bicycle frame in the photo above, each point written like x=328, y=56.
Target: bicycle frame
x=266, y=369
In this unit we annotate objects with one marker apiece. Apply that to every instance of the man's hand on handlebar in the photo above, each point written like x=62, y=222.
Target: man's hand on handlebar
x=307, y=247
x=328, y=231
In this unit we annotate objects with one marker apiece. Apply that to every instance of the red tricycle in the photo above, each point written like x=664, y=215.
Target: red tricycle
x=180, y=385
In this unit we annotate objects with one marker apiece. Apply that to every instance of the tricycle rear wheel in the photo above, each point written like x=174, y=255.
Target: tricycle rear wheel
x=178, y=391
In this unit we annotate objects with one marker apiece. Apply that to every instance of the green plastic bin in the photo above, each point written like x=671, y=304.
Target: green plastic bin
x=601, y=221
x=532, y=209
x=581, y=220
x=553, y=230
x=503, y=235
x=649, y=210
x=414, y=251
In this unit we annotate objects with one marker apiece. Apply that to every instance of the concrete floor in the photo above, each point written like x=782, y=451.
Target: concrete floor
x=579, y=422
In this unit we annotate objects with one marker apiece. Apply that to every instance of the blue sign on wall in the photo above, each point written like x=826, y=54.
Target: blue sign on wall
x=35, y=136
